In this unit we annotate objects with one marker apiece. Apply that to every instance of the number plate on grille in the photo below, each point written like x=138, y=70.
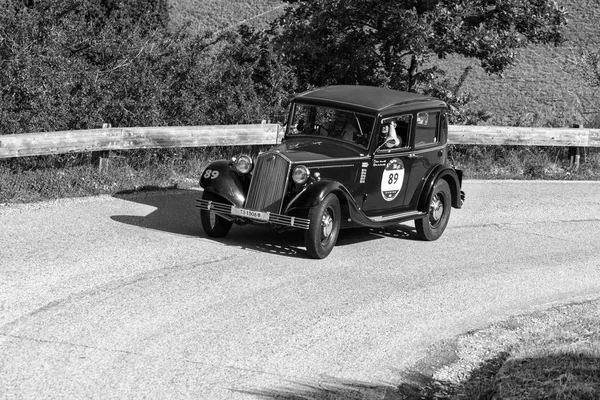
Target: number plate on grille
x=242, y=212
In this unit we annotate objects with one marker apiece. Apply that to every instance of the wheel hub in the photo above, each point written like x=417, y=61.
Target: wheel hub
x=326, y=226
x=437, y=209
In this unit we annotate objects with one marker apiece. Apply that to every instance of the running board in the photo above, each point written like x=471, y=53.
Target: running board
x=402, y=216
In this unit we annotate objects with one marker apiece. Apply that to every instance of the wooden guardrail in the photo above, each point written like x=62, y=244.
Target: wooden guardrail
x=507, y=135
x=92, y=140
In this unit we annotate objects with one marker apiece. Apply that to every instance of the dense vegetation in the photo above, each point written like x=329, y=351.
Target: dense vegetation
x=545, y=87
x=72, y=64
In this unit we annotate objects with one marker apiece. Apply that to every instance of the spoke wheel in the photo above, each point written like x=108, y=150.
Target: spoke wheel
x=214, y=225
x=324, y=229
x=433, y=225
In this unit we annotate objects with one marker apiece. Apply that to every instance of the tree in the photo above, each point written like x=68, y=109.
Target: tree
x=389, y=42
x=258, y=79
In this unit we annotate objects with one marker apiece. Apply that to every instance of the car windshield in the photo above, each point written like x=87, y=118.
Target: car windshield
x=335, y=123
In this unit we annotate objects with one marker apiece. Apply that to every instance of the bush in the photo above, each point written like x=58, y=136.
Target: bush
x=72, y=64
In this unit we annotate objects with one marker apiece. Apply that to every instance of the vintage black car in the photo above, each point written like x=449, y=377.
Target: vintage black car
x=350, y=156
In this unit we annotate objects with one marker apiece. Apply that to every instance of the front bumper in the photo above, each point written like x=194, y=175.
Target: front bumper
x=266, y=217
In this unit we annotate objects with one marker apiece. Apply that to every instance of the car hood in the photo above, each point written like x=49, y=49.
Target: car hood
x=308, y=149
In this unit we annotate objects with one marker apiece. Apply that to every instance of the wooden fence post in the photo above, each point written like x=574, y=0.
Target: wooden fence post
x=575, y=153
x=101, y=158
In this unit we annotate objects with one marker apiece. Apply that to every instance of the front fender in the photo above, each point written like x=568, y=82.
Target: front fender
x=454, y=179
x=316, y=192
x=220, y=178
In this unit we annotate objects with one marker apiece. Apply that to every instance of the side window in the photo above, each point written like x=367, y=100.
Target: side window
x=395, y=132
x=427, y=133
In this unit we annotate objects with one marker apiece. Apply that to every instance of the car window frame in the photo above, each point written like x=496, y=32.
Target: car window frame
x=290, y=127
x=437, y=129
x=407, y=146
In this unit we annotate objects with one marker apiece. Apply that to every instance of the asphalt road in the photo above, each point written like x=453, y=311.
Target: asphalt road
x=124, y=297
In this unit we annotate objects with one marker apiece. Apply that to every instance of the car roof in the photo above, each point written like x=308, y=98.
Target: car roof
x=367, y=99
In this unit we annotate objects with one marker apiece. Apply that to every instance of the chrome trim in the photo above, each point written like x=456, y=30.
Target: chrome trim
x=269, y=182
x=337, y=160
x=405, y=150
x=274, y=218
x=411, y=214
x=333, y=166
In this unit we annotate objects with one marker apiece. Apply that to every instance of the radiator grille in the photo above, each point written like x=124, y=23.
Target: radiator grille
x=268, y=183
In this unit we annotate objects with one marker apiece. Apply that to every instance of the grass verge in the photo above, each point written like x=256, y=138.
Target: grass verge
x=551, y=354
x=31, y=179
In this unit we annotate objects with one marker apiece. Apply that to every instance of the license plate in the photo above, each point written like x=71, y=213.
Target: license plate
x=242, y=212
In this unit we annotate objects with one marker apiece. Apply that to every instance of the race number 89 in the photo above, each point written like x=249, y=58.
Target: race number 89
x=210, y=174
x=392, y=179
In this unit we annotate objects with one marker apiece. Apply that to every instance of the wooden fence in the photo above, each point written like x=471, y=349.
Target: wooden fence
x=93, y=140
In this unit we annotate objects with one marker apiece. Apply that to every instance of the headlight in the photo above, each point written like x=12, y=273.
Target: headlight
x=243, y=164
x=300, y=174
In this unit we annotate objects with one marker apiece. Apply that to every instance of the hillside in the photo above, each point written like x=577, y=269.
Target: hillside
x=540, y=90
x=216, y=15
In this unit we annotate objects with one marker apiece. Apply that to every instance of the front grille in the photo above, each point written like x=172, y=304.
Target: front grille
x=268, y=183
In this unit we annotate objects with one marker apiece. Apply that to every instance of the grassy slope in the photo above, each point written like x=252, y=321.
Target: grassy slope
x=540, y=89
x=537, y=91
x=216, y=15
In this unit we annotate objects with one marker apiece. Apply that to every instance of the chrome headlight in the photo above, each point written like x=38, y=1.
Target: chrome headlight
x=300, y=174
x=243, y=164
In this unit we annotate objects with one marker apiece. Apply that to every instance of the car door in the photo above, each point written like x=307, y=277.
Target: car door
x=390, y=166
x=427, y=150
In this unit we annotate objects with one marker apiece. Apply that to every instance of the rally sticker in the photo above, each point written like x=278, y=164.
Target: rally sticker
x=392, y=179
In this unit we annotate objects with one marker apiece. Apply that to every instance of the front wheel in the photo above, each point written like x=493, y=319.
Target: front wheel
x=324, y=228
x=214, y=225
x=433, y=225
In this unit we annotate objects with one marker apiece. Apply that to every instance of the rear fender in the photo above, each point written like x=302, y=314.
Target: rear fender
x=220, y=178
x=454, y=179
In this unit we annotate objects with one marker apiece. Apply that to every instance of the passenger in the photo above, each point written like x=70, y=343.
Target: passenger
x=390, y=138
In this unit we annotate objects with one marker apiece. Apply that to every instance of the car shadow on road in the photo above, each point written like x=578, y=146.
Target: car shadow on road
x=497, y=378
x=175, y=211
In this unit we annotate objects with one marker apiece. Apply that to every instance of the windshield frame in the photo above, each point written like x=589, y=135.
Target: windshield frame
x=364, y=124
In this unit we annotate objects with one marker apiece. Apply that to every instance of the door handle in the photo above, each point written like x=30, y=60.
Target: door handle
x=412, y=155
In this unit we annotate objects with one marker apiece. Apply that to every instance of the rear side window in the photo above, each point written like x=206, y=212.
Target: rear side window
x=427, y=132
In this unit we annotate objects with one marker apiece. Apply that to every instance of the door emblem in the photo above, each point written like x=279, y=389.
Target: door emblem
x=392, y=179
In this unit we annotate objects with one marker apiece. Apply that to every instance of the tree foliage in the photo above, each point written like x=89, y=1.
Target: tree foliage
x=72, y=64
x=389, y=42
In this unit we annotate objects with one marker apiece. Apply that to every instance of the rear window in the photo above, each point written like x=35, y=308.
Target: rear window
x=427, y=132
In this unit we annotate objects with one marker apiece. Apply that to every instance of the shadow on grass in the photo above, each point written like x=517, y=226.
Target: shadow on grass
x=564, y=376
x=174, y=211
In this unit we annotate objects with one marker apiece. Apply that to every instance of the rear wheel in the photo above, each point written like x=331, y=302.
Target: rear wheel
x=438, y=214
x=324, y=227
x=214, y=225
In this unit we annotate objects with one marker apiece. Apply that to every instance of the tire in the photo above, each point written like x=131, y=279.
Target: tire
x=433, y=225
x=213, y=225
x=324, y=227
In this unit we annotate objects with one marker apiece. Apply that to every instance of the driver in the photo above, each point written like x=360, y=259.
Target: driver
x=343, y=126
